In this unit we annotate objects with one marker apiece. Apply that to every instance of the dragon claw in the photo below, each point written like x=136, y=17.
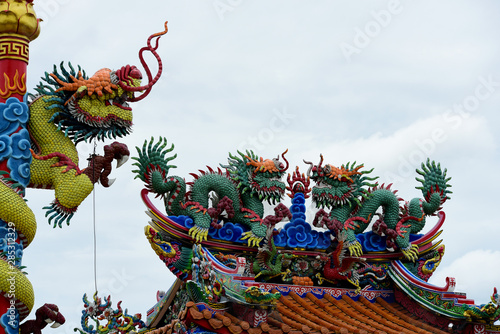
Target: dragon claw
x=121, y=161
x=411, y=253
x=59, y=213
x=355, y=249
x=253, y=240
x=356, y=284
x=198, y=233
x=320, y=278
x=285, y=273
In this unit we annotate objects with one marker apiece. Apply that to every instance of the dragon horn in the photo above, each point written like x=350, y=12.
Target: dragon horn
x=310, y=168
x=283, y=156
x=320, y=172
x=320, y=161
x=151, y=81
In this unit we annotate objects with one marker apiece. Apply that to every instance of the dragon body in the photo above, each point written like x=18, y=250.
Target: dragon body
x=354, y=200
x=235, y=195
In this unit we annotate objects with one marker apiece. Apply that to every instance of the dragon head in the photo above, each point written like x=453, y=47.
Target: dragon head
x=338, y=186
x=258, y=177
x=95, y=107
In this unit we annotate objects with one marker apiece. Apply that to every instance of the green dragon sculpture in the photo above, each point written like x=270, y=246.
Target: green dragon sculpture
x=70, y=108
x=354, y=200
x=254, y=295
x=237, y=194
x=489, y=312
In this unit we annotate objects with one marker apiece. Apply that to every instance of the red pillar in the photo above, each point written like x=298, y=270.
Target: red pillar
x=18, y=26
x=13, y=65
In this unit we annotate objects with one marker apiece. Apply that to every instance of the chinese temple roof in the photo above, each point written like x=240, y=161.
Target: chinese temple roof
x=239, y=274
x=309, y=314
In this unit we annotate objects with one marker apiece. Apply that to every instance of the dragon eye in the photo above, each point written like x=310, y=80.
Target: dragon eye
x=327, y=169
x=278, y=164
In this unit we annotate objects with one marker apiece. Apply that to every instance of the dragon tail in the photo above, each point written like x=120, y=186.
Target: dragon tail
x=435, y=186
x=435, y=190
x=153, y=165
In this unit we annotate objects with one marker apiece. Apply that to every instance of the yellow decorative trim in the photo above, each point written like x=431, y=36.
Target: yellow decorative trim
x=16, y=87
x=14, y=48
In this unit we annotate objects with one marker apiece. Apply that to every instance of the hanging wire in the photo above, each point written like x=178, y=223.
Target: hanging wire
x=93, y=215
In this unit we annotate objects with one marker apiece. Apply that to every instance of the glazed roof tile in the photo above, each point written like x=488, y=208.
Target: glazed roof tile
x=312, y=315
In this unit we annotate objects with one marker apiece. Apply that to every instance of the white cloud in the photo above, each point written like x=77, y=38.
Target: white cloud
x=223, y=81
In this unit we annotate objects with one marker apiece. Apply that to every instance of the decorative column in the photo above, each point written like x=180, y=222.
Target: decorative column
x=18, y=26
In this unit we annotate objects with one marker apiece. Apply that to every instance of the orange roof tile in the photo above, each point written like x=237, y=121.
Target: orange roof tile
x=309, y=314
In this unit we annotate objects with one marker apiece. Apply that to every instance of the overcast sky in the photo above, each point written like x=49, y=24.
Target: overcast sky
x=386, y=83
